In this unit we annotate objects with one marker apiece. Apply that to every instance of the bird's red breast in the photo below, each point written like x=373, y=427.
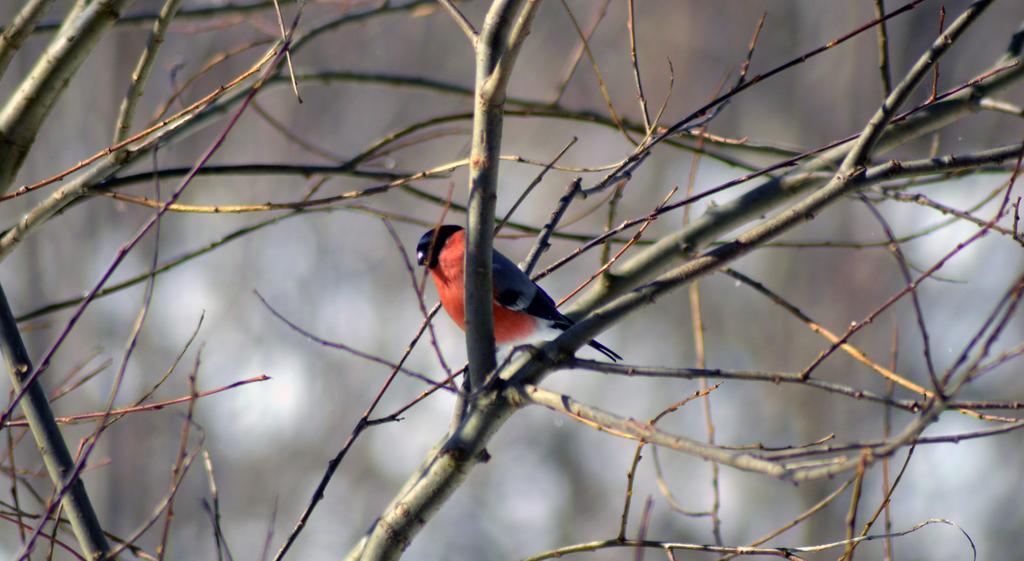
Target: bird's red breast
x=449, y=277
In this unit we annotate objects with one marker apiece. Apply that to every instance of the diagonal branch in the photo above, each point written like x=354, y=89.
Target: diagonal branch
x=56, y=457
x=24, y=113
x=19, y=29
x=460, y=19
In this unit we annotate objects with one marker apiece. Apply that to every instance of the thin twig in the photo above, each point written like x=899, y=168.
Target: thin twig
x=884, y=505
x=179, y=462
x=287, y=53
x=460, y=19
x=631, y=27
x=914, y=297
x=636, y=238
x=597, y=74
x=935, y=70
x=166, y=501
x=577, y=55
x=155, y=406
x=788, y=552
x=851, y=514
x=536, y=181
x=541, y=245
x=143, y=68
x=815, y=509
x=343, y=346
x=417, y=289
x=883, y=49
x=362, y=424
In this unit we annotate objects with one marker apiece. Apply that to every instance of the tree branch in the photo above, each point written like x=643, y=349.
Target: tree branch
x=644, y=432
x=143, y=68
x=773, y=192
x=24, y=113
x=497, y=47
x=19, y=29
x=56, y=457
x=460, y=19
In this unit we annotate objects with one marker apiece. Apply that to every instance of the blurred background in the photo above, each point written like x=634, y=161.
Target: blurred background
x=338, y=274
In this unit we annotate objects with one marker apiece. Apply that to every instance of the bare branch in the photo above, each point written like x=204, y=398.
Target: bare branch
x=505, y=27
x=635, y=430
x=773, y=192
x=75, y=189
x=56, y=457
x=788, y=552
x=156, y=406
x=631, y=26
x=21, y=27
x=28, y=106
x=143, y=68
x=541, y=245
x=460, y=20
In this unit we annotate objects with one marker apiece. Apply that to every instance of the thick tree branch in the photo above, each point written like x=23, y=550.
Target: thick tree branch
x=720, y=256
x=644, y=432
x=435, y=482
x=24, y=113
x=430, y=485
x=56, y=457
x=20, y=28
x=505, y=27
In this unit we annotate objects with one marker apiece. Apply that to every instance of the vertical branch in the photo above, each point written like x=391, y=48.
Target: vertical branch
x=890, y=388
x=631, y=26
x=177, y=470
x=698, y=343
x=851, y=514
x=697, y=320
x=935, y=69
x=504, y=30
x=140, y=75
x=48, y=437
x=448, y=464
x=630, y=478
x=883, y=49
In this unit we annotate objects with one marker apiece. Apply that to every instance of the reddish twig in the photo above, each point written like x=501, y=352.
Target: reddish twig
x=157, y=406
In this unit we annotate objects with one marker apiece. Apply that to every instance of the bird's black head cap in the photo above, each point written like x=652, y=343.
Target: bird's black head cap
x=432, y=242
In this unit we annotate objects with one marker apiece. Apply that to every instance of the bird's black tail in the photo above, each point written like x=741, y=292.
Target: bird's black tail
x=614, y=356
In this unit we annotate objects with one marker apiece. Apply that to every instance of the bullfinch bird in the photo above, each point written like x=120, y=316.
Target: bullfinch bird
x=522, y=310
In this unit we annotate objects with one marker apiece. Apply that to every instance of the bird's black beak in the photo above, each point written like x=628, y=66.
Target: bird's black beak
x=421, y=258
